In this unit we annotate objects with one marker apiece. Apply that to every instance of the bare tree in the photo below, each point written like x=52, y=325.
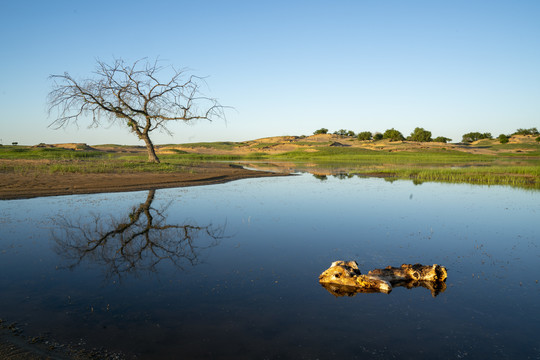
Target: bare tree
x=132, y=95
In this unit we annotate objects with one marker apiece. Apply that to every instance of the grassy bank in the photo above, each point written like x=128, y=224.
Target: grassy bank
x=506, y=167
x=516, y=176
x=59, y=160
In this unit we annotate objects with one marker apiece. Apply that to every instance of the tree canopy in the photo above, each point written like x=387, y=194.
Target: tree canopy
x=474, y=136
x=364, y=135
x=419, y=134
x=393, y=135
x=134, y=95
x=442, y=139
x=377, y=136
x=344, y=132
x=531, y=131
x=320, y=131
x=503, y=139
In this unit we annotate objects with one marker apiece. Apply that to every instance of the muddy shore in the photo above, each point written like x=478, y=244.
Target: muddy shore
x=30, y=184
x=14, y=345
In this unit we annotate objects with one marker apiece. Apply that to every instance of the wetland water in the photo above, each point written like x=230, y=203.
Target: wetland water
x=231, y=270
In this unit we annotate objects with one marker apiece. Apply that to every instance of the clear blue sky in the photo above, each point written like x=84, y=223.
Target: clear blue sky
x=287, y=67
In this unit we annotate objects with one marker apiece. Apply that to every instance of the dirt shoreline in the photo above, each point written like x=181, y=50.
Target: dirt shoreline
x=14, y=345
x=38, y=184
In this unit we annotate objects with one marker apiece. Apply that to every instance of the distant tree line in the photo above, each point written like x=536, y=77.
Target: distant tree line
x=421, y=135
x=531, y=131
x=475, y=136
x=503, y=139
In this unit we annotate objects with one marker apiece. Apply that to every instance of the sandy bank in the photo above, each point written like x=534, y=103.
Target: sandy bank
x=35, y=184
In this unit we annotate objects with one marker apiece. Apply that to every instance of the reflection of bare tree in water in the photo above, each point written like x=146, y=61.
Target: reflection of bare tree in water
x=136, y=243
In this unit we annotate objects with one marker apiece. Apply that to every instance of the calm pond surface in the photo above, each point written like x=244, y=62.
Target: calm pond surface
x=231, y=270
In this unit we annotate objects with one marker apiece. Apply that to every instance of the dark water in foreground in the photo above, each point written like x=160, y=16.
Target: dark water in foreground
x=231, y=270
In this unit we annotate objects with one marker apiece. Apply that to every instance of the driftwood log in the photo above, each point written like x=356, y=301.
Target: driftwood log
x=343, y=278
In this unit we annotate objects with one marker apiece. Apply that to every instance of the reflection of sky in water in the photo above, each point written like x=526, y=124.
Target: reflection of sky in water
x=256, y=292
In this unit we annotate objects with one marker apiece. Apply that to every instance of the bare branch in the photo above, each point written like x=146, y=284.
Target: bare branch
x=134, y=96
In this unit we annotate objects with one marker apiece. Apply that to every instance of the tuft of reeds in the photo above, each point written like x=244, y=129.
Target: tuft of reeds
x=517, y=176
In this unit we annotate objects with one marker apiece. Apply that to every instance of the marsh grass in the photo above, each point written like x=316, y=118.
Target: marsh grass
x=517, y=176
x=375, y=156
x=440, y=165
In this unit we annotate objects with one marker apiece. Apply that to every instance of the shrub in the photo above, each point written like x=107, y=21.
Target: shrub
x=341, y=132
x=531, y=131
x=344, y=132
x=503, y=139
x=377, y=136
x=321, y=131
x=393, y=135
x=419, y=134
x=365, y=135
x=442, y=139
x=474, y=136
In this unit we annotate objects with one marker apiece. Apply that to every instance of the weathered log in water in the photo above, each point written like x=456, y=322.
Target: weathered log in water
x=343, y=278
x=408, y=272
x=410, y=276
x=347, y=273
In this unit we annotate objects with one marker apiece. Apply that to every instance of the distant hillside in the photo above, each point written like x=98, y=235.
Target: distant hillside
x=276, y=145
x=314, y=143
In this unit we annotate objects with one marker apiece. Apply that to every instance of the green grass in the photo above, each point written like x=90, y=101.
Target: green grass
x=24, y=152
x=438, y=164
x=340, y=154
x=224, y=145
x=517, y=176
x=215, y=157
x=264, y=145
x=70, y=161
x=88, y=167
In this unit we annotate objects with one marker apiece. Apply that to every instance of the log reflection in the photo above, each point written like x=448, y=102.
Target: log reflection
x=135, y=243
x=435, y=288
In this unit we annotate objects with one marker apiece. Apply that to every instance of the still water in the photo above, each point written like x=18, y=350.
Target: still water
x=231, y=270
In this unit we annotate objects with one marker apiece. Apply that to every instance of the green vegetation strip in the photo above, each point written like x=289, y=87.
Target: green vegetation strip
x=89, y=167
x=373, y=156
x=521, y=169
x=517, y=176
x=224, y=145
x=25, y=152
x=85, y=162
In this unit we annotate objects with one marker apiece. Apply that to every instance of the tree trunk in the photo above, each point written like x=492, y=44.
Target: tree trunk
x=152, y=157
